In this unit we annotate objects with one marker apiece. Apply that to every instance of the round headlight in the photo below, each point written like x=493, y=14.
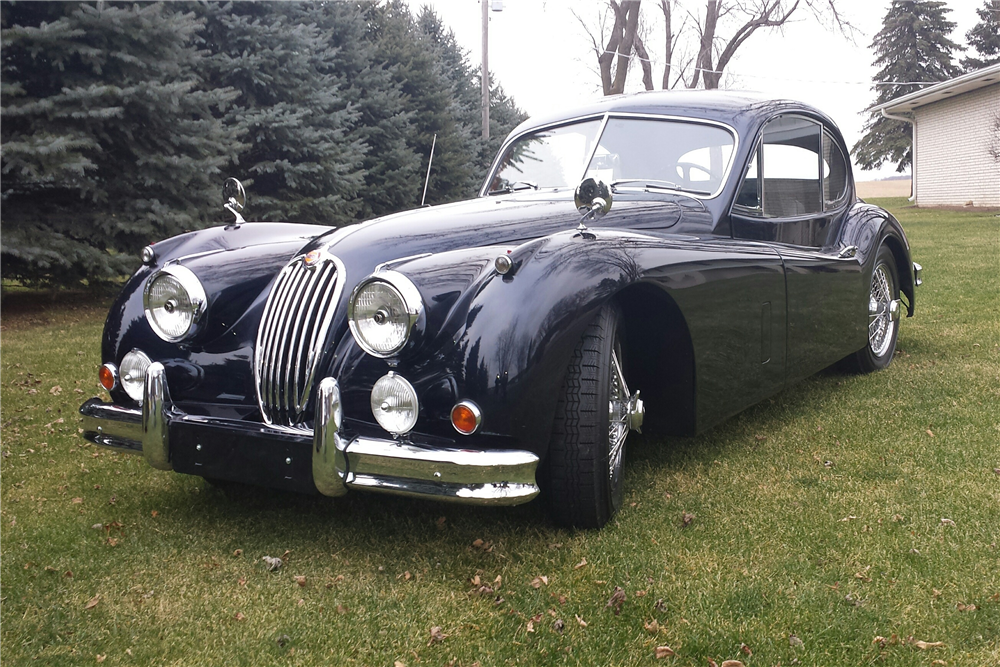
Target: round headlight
x=132, y=374
x=394, y=404
x=174, y=301
x=382, y=312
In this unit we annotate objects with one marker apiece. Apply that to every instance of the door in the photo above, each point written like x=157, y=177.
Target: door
x=794, y=197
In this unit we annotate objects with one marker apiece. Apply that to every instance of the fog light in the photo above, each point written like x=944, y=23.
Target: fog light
x=133, y=373
x=394, y=404
x=466, y=417
x=108, y=376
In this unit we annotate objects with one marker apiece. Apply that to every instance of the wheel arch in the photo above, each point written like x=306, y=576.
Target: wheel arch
x=659, y=357
x=904, y=269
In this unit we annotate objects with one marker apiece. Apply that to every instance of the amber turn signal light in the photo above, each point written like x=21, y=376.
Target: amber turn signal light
x=466, y=417
x=108, y=376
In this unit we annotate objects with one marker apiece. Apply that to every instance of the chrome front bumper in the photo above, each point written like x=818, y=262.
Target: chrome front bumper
x=491, y=477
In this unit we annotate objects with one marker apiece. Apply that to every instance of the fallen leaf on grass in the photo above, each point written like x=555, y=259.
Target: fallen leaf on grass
x=341, y=609
x=961, y=606
x=686, y=519
x=848, y=518
x=154, y=514
x=238, y=552
x=712, y=663
x=243, y=581
x=68, y=573
x=664, y=652
x=436, y=635
x=92, y=602
x=539, y=580
x=938, y=662
x=652, y=627
x=930, y=433
x=102, y=658
x=112, y=541
x=530, y=627
x=282, y=640
x=582, y=563
x=660, y=606
x=996, y=471
x=300, y=579
x=582, y=623
x=745, y=650
x=482, y=545
x=558, y=625
x=55, y=391
x=239, y=616
x=273, y=564
x=616, y=600
x=301, y=602
x=731, y=663
x=923, y=646
x=947, y=522
x=794, y=642
x=77, y=501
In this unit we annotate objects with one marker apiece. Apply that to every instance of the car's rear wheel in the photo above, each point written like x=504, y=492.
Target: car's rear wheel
x=883, y=316
x=593, y=418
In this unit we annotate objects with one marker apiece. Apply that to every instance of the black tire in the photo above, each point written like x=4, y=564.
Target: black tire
x=582, y=488
x=877, y=354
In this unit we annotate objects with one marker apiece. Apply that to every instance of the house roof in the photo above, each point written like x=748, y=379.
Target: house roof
x=944, y=90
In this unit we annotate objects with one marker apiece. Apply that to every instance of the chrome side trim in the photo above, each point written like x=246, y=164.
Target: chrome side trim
x=918, y=278
x=329, y=463
x=155, y=404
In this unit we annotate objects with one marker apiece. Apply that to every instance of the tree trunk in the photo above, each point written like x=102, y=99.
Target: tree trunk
x=704, y=62
x=669, y=51
x=630, y=10
x=605, y=59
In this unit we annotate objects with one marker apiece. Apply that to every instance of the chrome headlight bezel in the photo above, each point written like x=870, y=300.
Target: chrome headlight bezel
x=189, y=282
x=413, y=306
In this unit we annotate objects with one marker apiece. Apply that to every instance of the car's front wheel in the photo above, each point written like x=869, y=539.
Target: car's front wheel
x=883, y=316
x=593, y=417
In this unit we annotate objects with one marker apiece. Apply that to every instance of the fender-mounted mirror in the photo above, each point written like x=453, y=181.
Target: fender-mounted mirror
x=234, y=199
x=593, y=199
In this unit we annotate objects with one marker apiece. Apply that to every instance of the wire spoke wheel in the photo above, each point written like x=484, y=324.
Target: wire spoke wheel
x=618, y=417
x=881, y=325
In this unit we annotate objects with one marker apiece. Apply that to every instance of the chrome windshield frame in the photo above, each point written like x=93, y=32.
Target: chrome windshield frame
x=495, y=166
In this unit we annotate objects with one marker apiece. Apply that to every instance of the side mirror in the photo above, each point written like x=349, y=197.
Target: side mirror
x=593, y=197
x=234, y=199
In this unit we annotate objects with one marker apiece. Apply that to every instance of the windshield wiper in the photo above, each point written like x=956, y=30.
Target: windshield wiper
x=514, y=187
x=647, y=184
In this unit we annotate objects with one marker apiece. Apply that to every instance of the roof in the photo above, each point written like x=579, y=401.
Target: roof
x=981, y=78
x=736, y=108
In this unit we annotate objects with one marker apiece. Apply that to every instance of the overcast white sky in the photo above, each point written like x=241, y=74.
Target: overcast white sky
x=542, y=56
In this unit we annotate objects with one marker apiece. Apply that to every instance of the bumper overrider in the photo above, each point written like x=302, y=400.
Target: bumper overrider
x=326, y=460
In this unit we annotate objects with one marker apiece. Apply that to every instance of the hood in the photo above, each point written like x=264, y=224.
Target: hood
x=507, y=220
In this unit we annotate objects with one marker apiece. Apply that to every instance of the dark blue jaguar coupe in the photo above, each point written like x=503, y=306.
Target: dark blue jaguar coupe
x=661, y=260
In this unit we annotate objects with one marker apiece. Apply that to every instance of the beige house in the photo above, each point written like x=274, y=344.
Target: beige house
x=956, y=139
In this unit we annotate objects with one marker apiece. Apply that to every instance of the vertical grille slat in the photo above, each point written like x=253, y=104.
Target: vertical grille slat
x=292, y=332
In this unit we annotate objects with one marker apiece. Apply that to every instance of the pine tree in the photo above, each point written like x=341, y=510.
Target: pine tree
x=300, y=163
x=912, y=46
x=985, y=37
x=109, y=140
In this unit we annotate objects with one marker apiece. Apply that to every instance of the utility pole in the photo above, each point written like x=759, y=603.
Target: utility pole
x=486, y=69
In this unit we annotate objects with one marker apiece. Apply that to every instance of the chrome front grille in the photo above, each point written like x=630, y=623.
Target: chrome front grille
x=293, y=330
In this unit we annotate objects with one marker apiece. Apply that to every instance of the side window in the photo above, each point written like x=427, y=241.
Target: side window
x=790, y=157
x=834, y=173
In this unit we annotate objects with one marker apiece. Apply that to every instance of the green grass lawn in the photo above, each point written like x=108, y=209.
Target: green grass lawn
x=817, y=526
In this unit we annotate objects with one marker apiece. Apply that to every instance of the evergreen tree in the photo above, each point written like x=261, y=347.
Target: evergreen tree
x=912, y=46
x=299, y=161
x=384, y=114
x=109, y=141
x=985, y=37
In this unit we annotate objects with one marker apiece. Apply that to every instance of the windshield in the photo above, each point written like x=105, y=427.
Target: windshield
x=632, y=154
